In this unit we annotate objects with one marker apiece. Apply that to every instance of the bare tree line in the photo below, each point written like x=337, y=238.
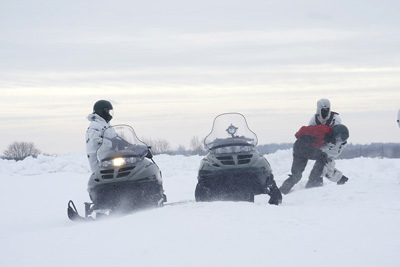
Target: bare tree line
x=374, y=150
x=21, y=150
x=162, y=146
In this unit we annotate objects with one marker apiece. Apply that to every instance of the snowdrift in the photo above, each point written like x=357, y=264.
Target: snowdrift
x=356, y=224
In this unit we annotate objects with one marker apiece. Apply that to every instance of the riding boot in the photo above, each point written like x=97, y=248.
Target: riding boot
x=288, y=184
x=343, y=180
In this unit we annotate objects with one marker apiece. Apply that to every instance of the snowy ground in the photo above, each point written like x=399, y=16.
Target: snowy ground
x=357, y=224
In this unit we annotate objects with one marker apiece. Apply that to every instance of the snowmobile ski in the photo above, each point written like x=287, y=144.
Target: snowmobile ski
x=73, y=214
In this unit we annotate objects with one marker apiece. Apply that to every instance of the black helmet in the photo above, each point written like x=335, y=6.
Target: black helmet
x=103, y=108
x=340, y=131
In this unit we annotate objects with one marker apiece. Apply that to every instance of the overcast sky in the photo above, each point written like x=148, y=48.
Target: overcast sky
x=170, y=67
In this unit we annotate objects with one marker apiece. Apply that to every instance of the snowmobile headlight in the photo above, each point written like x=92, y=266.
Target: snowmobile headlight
x=106, y=163
x=220, y=150
x=233, y=149
x=119, y=162
x=246, y=149
x=132, y=160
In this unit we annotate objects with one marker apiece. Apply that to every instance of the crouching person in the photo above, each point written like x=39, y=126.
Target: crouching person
x=322, y=144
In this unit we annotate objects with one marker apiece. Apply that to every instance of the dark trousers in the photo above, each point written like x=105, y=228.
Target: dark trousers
x=302, y=152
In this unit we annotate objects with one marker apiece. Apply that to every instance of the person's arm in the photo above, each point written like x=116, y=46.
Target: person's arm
x=312, y=121
x=332, y=148
x=93, y=136
x=93, y=142
x=337, y=120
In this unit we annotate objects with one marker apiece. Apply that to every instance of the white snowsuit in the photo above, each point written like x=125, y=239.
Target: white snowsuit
x=335, y=120
x=94, y=138
x=333, y=151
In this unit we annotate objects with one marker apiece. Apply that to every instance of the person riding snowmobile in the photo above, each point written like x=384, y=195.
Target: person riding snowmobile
x=99, y=122
x=122, y=180
x=324, y=114
x=322, y=144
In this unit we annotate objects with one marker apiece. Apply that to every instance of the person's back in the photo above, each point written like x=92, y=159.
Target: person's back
x=99, y=122
x=324, y=115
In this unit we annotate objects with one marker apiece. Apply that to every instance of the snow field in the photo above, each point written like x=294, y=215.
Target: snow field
x=356, y=224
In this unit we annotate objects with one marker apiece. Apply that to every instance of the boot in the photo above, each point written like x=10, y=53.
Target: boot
x=343, y=180
x=287, y=185
x=314, y=182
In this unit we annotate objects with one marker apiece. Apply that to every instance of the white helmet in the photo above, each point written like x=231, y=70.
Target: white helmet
x=324, y=108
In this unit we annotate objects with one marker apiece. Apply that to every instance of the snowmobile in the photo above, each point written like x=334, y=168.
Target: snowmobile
x=233, y=169
x=127, y=178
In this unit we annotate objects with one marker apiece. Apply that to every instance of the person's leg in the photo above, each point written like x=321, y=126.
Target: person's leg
x=315, y=178
x=299, y=163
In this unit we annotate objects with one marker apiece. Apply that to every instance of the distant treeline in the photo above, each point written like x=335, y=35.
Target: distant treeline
x=374, y=150
x=161, y=146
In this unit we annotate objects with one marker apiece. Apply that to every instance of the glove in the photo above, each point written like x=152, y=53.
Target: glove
x=343, y=180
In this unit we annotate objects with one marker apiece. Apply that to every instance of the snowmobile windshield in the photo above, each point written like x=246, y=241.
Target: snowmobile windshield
x=120, y=146
x=230, y=133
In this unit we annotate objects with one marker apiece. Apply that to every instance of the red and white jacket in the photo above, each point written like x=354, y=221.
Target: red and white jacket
x=316, y=131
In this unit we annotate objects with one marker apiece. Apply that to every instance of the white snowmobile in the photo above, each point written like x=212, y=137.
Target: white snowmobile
x=125, y=181
x=233, y=169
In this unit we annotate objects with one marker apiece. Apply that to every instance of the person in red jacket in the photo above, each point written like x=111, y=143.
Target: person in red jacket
x=314, y=142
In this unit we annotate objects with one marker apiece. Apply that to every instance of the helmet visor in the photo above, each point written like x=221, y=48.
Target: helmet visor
x=107, y=114
x=107, y=111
